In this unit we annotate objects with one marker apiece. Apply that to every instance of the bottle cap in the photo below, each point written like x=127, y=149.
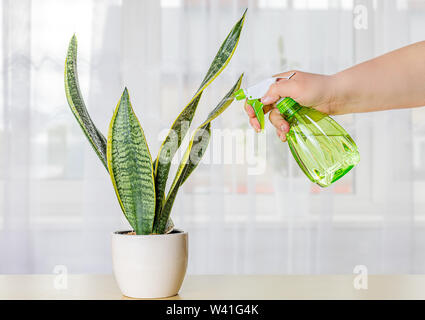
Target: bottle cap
x=285, y=104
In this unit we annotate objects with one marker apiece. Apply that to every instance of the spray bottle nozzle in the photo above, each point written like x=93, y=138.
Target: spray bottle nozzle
x=240, y=94
x=254, y=93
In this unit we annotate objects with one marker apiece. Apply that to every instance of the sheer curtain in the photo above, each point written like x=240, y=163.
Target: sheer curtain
x=247, y=213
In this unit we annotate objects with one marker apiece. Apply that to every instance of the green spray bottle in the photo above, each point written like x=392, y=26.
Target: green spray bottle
x=322, y=148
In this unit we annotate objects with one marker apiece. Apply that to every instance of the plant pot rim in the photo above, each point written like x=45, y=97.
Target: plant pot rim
x=124, y=233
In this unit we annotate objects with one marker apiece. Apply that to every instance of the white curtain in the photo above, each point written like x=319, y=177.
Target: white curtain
x=57, y=203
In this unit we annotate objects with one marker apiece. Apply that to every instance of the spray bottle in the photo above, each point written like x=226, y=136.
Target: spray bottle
x=322, y=148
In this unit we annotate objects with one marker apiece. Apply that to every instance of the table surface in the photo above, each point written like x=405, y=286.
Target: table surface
x=222, y=287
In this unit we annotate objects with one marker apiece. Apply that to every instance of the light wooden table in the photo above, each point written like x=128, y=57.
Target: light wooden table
x=223, y=287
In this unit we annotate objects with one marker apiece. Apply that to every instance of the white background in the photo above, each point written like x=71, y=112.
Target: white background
x=58, y=207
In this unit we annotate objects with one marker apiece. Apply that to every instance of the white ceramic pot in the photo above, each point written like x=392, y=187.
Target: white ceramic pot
x=149, y=266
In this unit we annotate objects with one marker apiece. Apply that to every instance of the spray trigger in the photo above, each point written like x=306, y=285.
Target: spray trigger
x=254, y=93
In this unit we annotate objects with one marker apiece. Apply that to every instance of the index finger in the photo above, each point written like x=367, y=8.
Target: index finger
x=249, y=110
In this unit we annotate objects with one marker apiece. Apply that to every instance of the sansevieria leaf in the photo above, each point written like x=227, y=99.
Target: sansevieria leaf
x=130, y=167
x=76, y=103
x=193, y=155
x=182, y=123
x=170, y=146
x=224, y=54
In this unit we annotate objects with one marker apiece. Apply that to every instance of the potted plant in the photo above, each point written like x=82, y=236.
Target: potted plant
x=150, y=260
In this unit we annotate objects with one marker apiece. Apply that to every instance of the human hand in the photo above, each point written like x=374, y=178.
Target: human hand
x=308, y=89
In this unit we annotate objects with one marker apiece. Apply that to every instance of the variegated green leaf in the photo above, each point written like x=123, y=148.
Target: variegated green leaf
x=182, y=123
x=169, y=147
x=169, y=226
x=76, y=103
x=130, y=167
x=224, y=54
x=193, y=155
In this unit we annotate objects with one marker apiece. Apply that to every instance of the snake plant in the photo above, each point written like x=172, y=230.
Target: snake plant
x=138, y=181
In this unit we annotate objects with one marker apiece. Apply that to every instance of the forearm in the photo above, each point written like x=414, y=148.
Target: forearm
x=391, y=81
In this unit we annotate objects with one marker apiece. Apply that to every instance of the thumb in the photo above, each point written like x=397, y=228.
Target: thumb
x=279, y=89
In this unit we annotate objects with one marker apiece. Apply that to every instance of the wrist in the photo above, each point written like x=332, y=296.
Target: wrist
x=337, y=98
